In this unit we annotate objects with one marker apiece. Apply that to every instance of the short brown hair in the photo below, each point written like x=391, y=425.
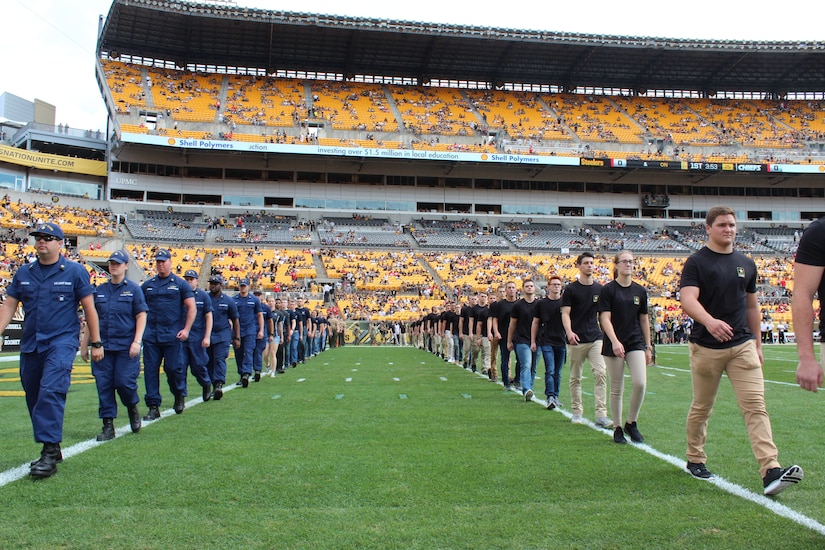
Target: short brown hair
x=717, y=211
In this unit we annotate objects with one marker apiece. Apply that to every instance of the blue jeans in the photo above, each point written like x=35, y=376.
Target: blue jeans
x=527, y=366
x=294, y=339
x=554, y=357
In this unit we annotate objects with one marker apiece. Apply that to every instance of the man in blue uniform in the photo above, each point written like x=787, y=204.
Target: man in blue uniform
x=170, y=318
x=50, y=290
x=195, y=347
x=225, y=330
x=251, y=319
x=261, y=343
x=121, y=309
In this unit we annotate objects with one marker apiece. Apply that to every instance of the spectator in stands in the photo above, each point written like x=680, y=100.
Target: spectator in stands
x=579, y=311
x=121, y=310
x=519, y=339
x=626, y=326
x=718, y=290
x=547, y=336
x=168, y=322
x=49, y=291
x=225, y=330
x=808, y=272
x=195, y=349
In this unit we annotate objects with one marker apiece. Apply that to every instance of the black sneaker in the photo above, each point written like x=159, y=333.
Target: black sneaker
x=618, y=437
x=245, y=380
x=218, y=391
x=697, y=469
x=633, y=432
x=777, y=480
x=207, y=393
x=257, y=377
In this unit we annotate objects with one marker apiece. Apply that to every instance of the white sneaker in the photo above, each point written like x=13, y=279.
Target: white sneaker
x=577, y=419
x=603, y=422
x=528, y=395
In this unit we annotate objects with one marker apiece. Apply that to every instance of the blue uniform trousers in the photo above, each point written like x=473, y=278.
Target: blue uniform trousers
x=216, y=367
x=117, y=372
x=173, y=365
x=197, y=358
x=46, y=377
x=258, y=355
x=244, y=354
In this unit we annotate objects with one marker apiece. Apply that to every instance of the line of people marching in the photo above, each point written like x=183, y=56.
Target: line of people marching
x=173, y=322
x=181, y=327
x=607, y=326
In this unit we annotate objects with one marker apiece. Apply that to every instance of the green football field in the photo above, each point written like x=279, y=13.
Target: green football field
x=381, y=447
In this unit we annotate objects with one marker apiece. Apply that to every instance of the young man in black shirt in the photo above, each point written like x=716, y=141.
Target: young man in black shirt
x=718, y=291
x=579, y=312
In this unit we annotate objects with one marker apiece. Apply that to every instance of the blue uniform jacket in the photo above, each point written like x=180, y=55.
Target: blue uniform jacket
x=117, y=306
x=50, y=299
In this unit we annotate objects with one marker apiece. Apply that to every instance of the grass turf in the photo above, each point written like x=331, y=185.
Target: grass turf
x=393, y=448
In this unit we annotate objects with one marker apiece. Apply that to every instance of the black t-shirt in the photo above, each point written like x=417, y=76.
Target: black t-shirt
x=501, y=310
x=452, y=320
x=724, y=281
x=480, y=314
x=625, y=305
x=811, y=251
x=551, y=331
x=523, y=313
x=583, y=301
x=465, y=319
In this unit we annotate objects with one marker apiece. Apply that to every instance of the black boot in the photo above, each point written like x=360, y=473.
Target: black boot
x=180, y=404
x=108, y=430
x=153, y=414
x=46, y=466
x=218, y=391
x=134, y=419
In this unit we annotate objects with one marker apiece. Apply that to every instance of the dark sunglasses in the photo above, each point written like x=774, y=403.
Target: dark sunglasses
x=47, y=238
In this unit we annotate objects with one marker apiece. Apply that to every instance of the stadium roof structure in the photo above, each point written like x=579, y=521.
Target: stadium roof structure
x=226, y=35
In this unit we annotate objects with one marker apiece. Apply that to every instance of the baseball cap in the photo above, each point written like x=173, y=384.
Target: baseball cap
x=216, y=279
x=243, y=282
x=257, y=292
x=191, y=273
x=163, y=254
x=119, y=256
x=47, y=229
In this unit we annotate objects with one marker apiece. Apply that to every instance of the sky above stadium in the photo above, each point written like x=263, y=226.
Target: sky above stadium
x=49, y=45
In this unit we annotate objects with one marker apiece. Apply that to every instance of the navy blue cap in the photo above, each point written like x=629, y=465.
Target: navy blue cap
x=191, y=273
x=243, y=282
x=47, y=229
x=119, y=256
x=163, y=254
x=216, y=279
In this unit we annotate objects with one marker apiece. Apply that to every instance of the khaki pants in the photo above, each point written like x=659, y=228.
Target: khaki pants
x=636, y=364
x=483, y=350
x=493, y=358
x=741, y=364
x=591, y=351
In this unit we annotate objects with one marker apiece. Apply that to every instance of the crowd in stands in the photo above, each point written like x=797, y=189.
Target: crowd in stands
x=446, y=118
x=389, y=282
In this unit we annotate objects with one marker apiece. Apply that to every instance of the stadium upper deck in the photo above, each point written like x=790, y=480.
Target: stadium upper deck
x=231, y=106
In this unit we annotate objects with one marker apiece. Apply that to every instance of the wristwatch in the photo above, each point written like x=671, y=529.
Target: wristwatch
x=96, y=344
